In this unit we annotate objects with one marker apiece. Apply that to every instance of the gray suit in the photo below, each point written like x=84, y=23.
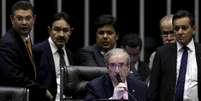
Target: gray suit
x=90, y=56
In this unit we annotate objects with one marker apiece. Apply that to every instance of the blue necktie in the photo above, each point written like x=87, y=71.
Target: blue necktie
x=182, y=76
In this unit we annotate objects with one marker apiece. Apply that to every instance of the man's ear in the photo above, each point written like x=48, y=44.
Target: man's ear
x=117, y=38
x=12, y=19
x=195, y=29
x=49, y=30
x=34, y=18
x=129, y=67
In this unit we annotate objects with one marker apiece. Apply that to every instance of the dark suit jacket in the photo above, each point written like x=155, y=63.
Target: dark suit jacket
x=142, y=72
x=16, y=68
x=102, y=88
x=45, y=63
x=163, y=75
x=90, y=56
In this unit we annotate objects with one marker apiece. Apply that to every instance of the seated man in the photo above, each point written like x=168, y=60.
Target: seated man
x=106, y=39
x=116, y=84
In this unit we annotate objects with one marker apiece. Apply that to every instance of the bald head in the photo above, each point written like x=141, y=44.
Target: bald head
x=166, y=28
x=166, y=22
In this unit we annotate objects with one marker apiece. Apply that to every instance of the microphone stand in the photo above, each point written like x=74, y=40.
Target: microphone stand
x=132, y=97
x=62, y=69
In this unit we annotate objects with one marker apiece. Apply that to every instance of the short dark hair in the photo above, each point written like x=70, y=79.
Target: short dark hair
x=132, y=40
x=183, y=13
x=106, y=20
x=60, y=15
x=24, y=5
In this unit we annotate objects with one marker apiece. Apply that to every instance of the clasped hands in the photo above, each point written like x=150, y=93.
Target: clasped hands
x=120, y=91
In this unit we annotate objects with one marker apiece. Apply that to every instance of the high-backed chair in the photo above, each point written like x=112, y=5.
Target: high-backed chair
x=76, y=78
x=13, y=94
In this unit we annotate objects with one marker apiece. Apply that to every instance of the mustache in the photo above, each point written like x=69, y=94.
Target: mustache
x=60, y=38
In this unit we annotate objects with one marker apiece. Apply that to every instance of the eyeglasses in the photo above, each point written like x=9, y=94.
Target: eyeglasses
x=183, y=27
x=65, y=30
x=114, y=65
x=167, y=32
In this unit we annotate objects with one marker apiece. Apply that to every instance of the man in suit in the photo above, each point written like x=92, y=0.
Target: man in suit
x=132, y=43
x=47, y=56
x=166, y=73
x=106, y=39
x=167, y=34
x=116, y=84
x=17, y=66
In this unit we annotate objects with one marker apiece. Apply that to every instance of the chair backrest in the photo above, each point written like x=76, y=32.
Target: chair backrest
x=76, y=78
x=13, y=94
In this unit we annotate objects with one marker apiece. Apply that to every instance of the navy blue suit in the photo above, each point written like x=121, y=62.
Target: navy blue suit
x=102, y=88
x=16, y=67
x=45, y=63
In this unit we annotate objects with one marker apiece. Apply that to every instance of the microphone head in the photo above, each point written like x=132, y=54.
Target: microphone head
x=118, y=78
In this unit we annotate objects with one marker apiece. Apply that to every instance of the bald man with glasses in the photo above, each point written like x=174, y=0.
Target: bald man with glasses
x=167, y=34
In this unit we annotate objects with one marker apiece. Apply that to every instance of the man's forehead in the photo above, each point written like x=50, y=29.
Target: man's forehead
x=118, y=57
x=22, y=12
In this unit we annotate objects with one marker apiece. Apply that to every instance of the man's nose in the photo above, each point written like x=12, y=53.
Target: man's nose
x=61, y=33
x=180, y=31
x=169, y=36
x=105, y=35
x=117, y=69
x=24, y=21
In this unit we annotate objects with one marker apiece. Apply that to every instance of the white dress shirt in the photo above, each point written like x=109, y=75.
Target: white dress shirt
x=57, y=64
x=191, y=82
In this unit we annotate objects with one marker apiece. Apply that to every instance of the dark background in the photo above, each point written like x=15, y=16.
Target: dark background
x=127, y=14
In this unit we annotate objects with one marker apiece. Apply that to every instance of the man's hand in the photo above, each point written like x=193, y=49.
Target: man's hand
x=119, y=91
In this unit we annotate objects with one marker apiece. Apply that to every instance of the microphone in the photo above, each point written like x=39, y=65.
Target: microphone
x=133, y=98
x=118, y=78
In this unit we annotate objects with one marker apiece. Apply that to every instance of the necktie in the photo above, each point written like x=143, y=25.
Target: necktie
x=62, y=67
x=62, y=60
x=182, y=76
x=28, y=45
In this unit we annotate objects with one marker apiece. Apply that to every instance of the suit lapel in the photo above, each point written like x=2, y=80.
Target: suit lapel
x=173, y=59
x=98, y=56
x=131, y=87
x=69, y=56
x=108, y=86
x=170, y=64
x=49, y=56
x=24, y=52
x=198, y=59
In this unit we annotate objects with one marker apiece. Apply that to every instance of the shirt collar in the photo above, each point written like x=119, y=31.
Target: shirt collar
x=26, y=38
x=53, y=46
x=190, y=46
